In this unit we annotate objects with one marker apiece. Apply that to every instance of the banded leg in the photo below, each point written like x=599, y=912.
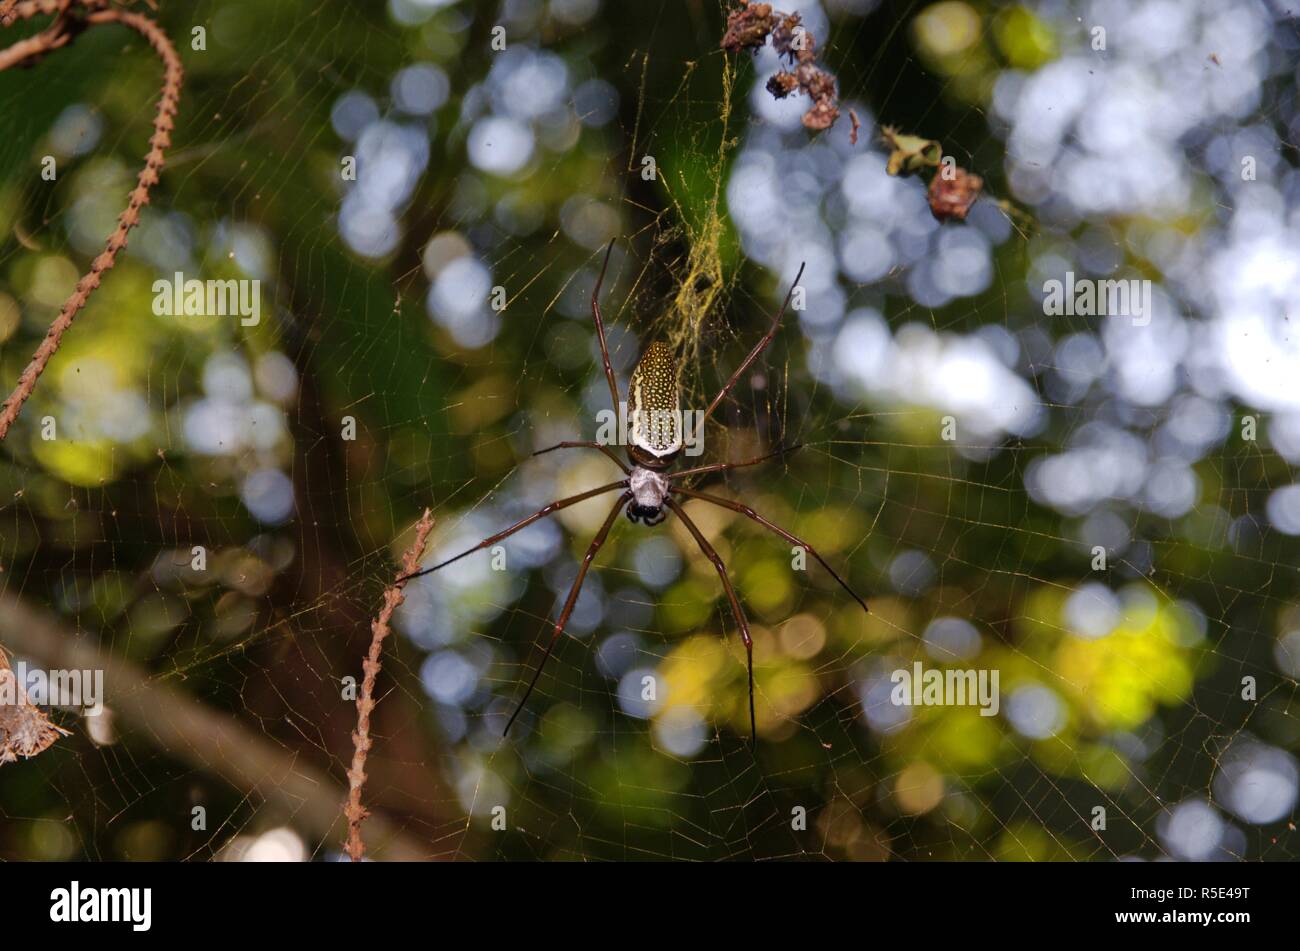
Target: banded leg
x=600, y=329
x=748, y=512
x=753, y=354
x=569, y=602
x=725, y=466
x=522, y=523
x=736, y=609
x=568, y=444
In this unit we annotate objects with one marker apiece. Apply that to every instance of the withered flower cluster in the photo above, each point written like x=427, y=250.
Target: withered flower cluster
x=748, y=28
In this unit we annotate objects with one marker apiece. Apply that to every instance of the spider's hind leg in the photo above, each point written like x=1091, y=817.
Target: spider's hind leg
x=711, y=553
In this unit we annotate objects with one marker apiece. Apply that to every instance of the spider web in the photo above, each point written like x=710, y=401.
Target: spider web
x=381, y=380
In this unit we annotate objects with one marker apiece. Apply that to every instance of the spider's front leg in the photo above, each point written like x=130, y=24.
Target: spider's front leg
x=522, y=523
x=728, y=466
x=748, y=512
x=573, y=444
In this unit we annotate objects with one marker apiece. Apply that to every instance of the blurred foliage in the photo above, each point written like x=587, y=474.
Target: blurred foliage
x=98, y=527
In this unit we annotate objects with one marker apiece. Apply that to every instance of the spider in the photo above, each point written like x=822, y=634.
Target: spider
x=654, y=440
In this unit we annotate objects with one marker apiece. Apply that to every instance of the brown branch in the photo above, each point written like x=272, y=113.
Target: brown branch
x=57, y=36
x=195, y=733
x=30, y=50
x=361, y=741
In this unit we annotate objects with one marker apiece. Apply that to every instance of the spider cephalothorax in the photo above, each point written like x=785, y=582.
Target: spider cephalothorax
x=655, y=439
x=649, y=492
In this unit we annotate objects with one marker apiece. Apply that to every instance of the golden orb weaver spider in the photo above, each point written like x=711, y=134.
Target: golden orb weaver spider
x=655, y=440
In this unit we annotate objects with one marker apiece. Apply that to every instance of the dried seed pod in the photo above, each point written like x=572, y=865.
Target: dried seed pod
x=791, y=41
x=952, y=197
x=782, y=84
x=748, y=27
x=816, y=82
x=822, y=115
x=910, y=153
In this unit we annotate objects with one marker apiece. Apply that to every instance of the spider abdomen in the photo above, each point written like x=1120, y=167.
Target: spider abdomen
x=654, y=408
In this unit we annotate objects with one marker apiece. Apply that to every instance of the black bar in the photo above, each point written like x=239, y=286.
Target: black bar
x=866, y=902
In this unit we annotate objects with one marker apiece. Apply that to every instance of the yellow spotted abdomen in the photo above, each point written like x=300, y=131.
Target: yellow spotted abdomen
x=653, y=404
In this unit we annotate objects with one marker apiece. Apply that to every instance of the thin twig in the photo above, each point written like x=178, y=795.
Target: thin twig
x=153, y=709
x=30, y=50
x=361, y=741
x=55, y=37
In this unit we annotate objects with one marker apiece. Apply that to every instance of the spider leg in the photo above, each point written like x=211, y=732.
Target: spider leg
x=522, y=523
x=587, y=445
x=600, y=329
x=748, y=512
x=724, y=466
x=569, y=602
x=753, y=354
x=736, y=609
